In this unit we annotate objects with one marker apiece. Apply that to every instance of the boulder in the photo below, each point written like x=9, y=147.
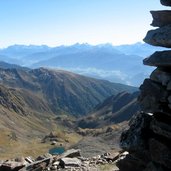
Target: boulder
x=54, y=143
x=134, y=139
x=129, y=163
x=72, y=153
x=160, y=152
x=1, y=162
x=29, y=159
x=69, y=162
x=169, y=85
x=152, y=96
x=153, y=167
x=11, y=166
x=159, y=37
x=45, y=156
x=161, y=128
x=160, y=76
x=166, y=2
x=159, y=59
x=112, y=157
x=38, y=165
x=161, y=18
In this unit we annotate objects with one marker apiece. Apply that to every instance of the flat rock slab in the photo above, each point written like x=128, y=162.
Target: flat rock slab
x=159, y=59
x=70, y=162
x=72, y=153
x=166, y=2
x=159, y=37
x=161, y=18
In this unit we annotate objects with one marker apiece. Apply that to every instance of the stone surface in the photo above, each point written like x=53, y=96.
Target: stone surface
x=169, y=99
x=169, y=85
x=166, y=2
x=159, y=59
x=134, y=139
x=111, y=157
x=72, y=153
x=159, y=37
x=160, y=76
x=151, y=96
x=11, y=166
x=38, y=165
x=29, y=159
x=153, y=167
x=161, y=18
x=161, y=128
x=129, y=163
x=57, y=162
x=42, y=157
x=160, y=153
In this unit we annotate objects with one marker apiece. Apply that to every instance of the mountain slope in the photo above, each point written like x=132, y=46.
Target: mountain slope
x=31, y=102
x=63, y=92
x=115, y=109
x=100, y=62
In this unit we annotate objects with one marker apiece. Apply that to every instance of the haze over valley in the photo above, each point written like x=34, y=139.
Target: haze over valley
x=121, y=64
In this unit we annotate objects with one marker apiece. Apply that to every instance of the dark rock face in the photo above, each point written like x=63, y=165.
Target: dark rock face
x=148, y=140
x=166, y=2
x=161, y=18
x=133, y=139
x=160, y=153
x=161, y=77
x=159, y=37
x=159, y=59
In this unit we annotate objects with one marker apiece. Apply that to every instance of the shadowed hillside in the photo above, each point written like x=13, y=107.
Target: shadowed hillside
x=115, y=109
x=63, y=92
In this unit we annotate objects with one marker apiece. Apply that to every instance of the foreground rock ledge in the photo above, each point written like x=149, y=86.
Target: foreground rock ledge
x=159, y=59
x=166, y=2
x=159, y=37
x=161, y=18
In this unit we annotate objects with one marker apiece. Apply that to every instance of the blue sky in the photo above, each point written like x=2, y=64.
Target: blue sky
x=56, y=22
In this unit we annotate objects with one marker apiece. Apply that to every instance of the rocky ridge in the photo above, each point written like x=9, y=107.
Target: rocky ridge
x=148, y=138
x=69, y=160
x=115, y=109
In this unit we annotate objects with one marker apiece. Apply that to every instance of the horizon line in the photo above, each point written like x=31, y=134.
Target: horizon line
x=67, y=45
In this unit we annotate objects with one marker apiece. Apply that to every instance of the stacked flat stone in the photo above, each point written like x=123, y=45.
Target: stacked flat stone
x=148, y=139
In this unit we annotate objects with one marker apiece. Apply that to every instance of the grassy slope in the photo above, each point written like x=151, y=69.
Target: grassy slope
x=26, y=113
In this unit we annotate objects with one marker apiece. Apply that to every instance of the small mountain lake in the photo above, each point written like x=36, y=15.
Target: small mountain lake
x=57, y=150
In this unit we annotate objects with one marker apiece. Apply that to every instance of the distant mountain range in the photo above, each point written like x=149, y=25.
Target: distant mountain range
x=122, y=64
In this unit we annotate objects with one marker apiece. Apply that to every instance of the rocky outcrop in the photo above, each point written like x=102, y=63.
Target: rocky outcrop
x=159, y=37
x=148, y=140
x=166, y=2
x=74, y=161
x=161, y=18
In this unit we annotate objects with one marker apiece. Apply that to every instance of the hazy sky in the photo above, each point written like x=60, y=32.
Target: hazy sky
x=56, y=22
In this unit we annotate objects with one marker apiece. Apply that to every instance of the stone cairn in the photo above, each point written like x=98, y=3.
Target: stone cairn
x=148, y=140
